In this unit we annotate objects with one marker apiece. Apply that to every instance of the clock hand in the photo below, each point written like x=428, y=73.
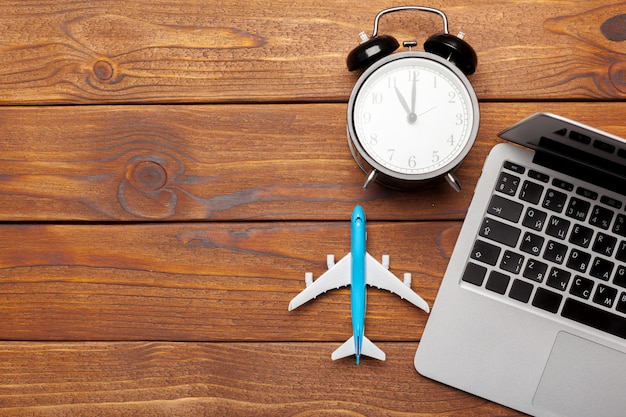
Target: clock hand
x=425, y=111
x=413, y=95
x=403, y=101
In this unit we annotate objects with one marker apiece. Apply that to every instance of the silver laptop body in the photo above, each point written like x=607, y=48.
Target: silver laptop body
x=531, y=312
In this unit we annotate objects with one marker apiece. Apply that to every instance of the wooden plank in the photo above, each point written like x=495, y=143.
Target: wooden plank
x=207, y=282
x=234, y=379
x=188, y=51
x=222, y=162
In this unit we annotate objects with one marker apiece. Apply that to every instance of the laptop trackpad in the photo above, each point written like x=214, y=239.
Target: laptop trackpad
x=582, y=379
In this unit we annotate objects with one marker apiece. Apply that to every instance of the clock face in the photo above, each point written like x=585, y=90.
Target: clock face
x=413, y=115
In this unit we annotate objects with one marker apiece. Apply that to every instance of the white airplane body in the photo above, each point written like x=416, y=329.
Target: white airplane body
x=358, y=269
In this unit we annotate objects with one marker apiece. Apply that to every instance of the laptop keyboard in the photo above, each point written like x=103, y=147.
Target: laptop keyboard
x=550, y=245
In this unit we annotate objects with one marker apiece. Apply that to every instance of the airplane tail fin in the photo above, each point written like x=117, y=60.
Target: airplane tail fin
x=368, y=348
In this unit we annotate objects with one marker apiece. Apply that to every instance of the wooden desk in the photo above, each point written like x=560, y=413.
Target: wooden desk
x=170, y=169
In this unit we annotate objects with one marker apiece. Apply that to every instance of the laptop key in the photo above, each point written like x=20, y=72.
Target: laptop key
x=558, y=227
x=601, y=217
x=485, y=252
x=521, y=290
x=512, y=262
x=581, y=235
x=474, y=274
x=605, y=295
x=499, y=232
x=531, y=192
x=547, y=300
x=554, y=200
x=558, y=278
x=620, y=276
x=594, y=317
x=581, y=287
x=497, y=282
x=505, y=208
x=620, y=225
x=578, y=260
x=534, y=219
x=507, y=183
x=604, y=244
x=577, y=209
x=620, y=255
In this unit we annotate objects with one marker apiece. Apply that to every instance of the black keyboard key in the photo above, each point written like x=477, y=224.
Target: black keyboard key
x=604, y=244
x=512, y=262
x=535, y=270
x=601, y=268
x=567, y=186
x=531, y=192
x=534, y=219
x=578, y=260
x=558, y=227
x=474, y=274
x=601, y=217
x=539, y=176
x=581, y=235
x=555, y=252
x=609, y=201
x=505, y=208
x=581, y=287
x=621, y=303
x=620, y=255
x=497, y=282
x=485, y=252
x=592, y=195
x=620, y=225
x=547, y=300
x=532, y=243
x=594, y=317
x=554, y=200
x=620, y=276
x=558, y=278
x=507, y=183
x=511, y=166
x=577, y=209
x=521, y=290
x=605, y=296
x=499, y=232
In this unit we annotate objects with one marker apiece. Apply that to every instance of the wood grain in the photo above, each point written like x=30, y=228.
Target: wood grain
x=189, y=379
x=204, y=282
x=286, y=51
x=222, y=162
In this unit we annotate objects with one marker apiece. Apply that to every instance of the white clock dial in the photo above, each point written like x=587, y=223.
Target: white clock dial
x=415, y=116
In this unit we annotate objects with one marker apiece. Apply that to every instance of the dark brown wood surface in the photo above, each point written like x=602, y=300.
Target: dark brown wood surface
x=169, y=170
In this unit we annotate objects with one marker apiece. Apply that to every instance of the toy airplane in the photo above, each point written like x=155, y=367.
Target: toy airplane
x=357, y=269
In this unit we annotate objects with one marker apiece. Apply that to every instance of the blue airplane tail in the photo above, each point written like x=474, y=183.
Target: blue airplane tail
x=349, y=348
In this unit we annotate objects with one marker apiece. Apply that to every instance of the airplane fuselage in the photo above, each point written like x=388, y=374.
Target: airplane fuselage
x=358, y=292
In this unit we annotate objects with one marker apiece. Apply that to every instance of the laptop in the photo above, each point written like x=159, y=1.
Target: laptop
x=531, y=312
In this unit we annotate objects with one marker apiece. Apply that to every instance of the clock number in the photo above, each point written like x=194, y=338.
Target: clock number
x=451, y=140
x=391, y=82
x=367, y=117
x=412, y=162
x=459, y=119
x=452, y=96
x=377, y=98
x=373, y=139
x=414, y=75
x=435, y=156
x=391, y=152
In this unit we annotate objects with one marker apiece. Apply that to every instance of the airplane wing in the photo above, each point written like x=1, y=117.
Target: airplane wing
x=378, y=276
x=336, y=277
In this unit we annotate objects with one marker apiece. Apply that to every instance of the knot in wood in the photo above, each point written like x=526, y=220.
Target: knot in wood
x=103, y=70
x=614, y=28
x=617, y=75
x=148, y=176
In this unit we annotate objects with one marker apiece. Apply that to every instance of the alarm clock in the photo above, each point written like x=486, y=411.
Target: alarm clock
x=412, y=116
